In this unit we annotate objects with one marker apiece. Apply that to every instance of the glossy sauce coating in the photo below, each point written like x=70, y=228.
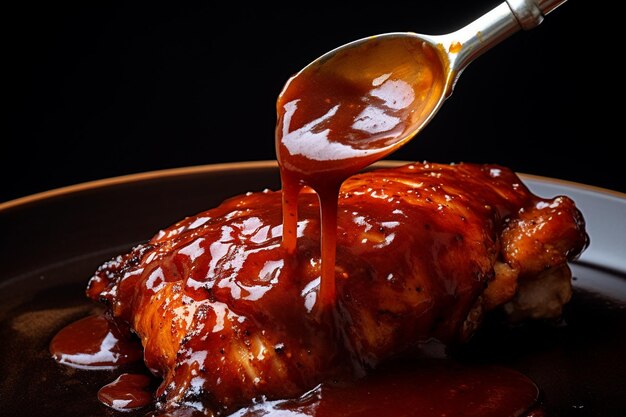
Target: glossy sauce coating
x=339, y=116
x=226, y=314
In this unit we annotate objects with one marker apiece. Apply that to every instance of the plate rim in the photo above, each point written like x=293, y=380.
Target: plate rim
x=233, y=166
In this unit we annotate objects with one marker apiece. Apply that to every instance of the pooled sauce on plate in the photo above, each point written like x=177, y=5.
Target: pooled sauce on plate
x=431, y=388
x=330, y=126
x=421, y=387
x=127, y=392
x=94, y=343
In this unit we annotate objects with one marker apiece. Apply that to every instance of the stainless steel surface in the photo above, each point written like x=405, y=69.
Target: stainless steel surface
x=476, y=38
x=527, y=13
x=530, y=13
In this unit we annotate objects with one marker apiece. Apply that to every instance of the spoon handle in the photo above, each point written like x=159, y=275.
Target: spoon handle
x=530, y=13
x=476, y=38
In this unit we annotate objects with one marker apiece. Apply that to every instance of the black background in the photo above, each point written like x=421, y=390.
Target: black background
x=101, y=90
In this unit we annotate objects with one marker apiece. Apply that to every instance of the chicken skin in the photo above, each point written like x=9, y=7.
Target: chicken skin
x=226, y=317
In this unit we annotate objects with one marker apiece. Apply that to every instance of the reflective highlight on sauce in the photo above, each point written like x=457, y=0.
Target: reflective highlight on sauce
x=127, y=392
x=94, y=343
x=342, y=114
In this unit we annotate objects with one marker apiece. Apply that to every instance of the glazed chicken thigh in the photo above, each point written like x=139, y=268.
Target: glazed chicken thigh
x=226, y=317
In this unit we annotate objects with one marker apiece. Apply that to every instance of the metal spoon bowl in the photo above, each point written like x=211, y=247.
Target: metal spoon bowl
x=361, y=101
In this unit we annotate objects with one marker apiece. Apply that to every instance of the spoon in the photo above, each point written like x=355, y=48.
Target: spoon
x=361, y=101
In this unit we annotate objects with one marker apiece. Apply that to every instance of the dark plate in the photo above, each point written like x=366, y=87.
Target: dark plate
x=52, y=243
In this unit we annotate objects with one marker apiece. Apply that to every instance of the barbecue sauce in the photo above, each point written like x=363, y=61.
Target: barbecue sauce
x=338, y=117
x=430, y=388
x=95, y=343
x=332, y=124
x=127, y=392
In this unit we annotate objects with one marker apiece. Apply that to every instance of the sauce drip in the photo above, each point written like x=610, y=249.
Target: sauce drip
x=336, y=117
x=127, y=392
x=425, y=389
x=94, y=343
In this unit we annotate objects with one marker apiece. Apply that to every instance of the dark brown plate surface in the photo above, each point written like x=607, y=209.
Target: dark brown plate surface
x=52, y=243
